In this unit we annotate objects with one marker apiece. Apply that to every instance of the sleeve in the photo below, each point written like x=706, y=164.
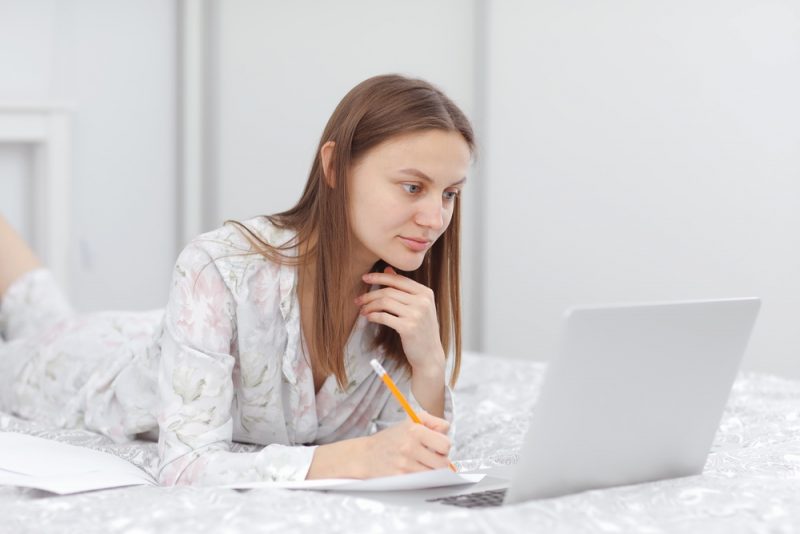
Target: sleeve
x=392, y=412
x=195, y=387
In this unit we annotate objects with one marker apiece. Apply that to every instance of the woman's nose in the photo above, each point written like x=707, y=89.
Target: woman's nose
x=431, y=214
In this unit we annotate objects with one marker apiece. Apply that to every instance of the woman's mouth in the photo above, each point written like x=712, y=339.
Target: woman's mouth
x=415, y=244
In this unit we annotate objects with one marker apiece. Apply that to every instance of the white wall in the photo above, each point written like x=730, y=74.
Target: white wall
x=114, y=64
x=642, y=151
x=632, y=150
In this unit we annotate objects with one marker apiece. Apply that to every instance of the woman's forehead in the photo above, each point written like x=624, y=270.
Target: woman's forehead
x=425, y=154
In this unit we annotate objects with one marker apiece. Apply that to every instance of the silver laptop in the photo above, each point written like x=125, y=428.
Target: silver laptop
x=635, y=394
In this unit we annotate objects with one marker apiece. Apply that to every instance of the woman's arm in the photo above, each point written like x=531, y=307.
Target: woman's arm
x=398, y=446
x=428, y=387
x=405, y=447
x=196, y=387
x=409, y=308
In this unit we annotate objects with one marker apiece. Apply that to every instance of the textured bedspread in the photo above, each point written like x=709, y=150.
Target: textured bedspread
x=751, y=481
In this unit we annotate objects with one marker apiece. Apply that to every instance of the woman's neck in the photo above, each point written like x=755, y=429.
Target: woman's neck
x=358, y=265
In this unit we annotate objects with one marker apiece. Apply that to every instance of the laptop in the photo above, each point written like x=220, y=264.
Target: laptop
x=634, y=394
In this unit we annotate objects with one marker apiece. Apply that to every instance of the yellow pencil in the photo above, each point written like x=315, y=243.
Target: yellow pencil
x=381, y=372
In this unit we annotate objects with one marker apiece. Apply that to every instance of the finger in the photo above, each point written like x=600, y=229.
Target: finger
x=414, y=466
x=397, y=281
x=434, y=423
x=400, y=296
x=435, y=441
x=388, y=305
x=391, y=307
x=431, y=459
x=387, y=319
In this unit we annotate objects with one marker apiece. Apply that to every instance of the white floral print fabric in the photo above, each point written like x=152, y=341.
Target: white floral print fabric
x=224, y=362
x=95, y=370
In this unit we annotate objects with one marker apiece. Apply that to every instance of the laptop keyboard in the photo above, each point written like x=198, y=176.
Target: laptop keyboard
x=479, y=499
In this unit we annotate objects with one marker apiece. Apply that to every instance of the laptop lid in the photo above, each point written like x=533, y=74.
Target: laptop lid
x=635, y=393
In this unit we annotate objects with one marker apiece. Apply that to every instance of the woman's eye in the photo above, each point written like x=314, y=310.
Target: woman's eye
x=412, y=188
x=450, y=195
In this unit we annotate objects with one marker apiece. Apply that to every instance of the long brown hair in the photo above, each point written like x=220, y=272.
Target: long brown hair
x=374, y=111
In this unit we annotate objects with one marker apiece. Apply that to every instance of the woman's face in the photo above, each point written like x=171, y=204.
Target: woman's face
x=402, y=195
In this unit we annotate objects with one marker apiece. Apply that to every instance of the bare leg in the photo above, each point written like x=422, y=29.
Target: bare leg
x=16, y=257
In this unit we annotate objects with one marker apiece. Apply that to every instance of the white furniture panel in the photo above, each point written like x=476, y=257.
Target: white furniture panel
x=46, y=128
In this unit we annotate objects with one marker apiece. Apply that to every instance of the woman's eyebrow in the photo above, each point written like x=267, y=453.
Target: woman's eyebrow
x=419, y=174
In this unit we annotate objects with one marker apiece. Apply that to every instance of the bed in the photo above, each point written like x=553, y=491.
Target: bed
x=751, y=481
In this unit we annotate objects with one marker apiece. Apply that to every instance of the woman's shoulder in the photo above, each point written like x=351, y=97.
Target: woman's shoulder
x=234, y=237
x=229, y=246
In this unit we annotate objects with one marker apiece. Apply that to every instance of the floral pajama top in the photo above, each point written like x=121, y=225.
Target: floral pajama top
x=223, y=363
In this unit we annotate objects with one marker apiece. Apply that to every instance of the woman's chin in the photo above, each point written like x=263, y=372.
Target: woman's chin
x=405, y=264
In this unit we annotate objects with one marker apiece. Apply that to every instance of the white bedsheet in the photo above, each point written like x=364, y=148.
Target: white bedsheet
x=751, y=481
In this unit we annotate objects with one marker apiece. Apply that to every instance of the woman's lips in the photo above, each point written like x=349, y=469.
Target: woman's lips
x=417, y=245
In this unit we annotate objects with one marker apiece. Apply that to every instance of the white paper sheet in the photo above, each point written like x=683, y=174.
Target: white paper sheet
x=72, y=483
x=32, y=462
x=30, y=455
x=423, y=480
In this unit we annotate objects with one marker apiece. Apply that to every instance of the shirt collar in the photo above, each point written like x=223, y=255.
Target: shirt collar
x=358, y=351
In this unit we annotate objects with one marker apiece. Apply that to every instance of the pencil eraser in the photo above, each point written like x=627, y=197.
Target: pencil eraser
x=377, y=366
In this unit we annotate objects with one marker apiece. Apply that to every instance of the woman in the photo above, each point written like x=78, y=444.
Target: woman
x=271, y=322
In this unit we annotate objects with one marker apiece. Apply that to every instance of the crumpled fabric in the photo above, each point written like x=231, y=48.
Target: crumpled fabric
x=751, y=481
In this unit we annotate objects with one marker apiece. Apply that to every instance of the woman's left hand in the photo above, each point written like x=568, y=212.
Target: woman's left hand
x=409, y=308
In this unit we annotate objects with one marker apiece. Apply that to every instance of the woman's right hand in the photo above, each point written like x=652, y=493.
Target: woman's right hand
x=405, y=447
